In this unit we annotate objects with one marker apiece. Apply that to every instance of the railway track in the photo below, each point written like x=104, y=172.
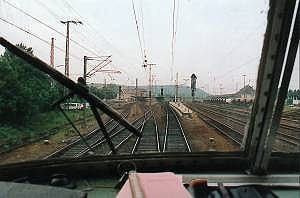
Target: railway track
x=290, y=120
x=244, y=115
x=238, y=121
x=225, y=129
x=52, y=131
x=123, y=139
x=150, y=141
x=174, y=139
x=78, y=146
x=241, y=120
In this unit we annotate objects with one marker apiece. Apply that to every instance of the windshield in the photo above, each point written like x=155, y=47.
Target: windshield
x=183, y=73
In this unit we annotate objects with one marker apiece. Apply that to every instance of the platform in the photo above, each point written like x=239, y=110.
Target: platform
x=181, y=109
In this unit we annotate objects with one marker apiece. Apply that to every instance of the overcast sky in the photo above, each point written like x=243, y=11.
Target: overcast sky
x=217, y=40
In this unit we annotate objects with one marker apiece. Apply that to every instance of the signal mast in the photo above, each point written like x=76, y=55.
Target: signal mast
x=149, y=65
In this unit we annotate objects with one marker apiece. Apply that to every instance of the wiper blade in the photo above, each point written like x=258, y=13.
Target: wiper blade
x=67, y=82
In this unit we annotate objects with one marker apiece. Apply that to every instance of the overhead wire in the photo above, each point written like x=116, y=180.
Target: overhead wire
x=48, y=26
x=237, y=67
x=88, y=38
x=142, y=28
x=137, y=28
x=176, y=22
x=36, y=36
x=173, y=39
x=97, y=36
x=41, y=3
x=96, y=33
x=246, y=38
x=110, y=45
x=84, y=37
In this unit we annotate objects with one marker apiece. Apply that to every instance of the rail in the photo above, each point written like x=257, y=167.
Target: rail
x=240, y=119
x=175, y=139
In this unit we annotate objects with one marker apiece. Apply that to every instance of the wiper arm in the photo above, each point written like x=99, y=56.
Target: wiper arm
x=74, y=87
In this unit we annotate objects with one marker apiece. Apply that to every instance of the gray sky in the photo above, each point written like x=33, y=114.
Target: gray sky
x=219, y=39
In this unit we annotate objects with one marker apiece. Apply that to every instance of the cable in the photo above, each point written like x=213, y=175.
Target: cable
x=173, y=38
x=176, y=23
x=48, y=26
x=142, y=28
x=97, y=37
x=238, y=67
x=36, y=36
x=138, y=31
x=85, y=38
x=96, y=33
x=246, y=38
x=58, y=18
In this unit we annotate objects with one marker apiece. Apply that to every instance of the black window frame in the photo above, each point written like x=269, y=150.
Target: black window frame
x=280, y=18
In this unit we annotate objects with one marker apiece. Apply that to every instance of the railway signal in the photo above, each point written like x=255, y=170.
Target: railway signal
x=149, y=65
x=193, y=85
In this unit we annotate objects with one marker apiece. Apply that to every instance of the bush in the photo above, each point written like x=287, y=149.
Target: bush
x=24, y=90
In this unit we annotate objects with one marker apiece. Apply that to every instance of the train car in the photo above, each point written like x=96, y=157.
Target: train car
x=73, y=106
x=242, y=100
x=228, y=100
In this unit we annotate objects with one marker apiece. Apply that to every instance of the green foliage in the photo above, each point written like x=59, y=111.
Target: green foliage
x=39, y=125
x=24, y=90
x=107, y=92
x=294, y=94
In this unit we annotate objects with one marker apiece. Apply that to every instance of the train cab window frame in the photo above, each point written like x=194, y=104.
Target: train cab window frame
x=266, y=111
x=283, y=26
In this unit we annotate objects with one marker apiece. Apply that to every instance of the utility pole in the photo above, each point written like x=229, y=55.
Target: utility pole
x=52, y=53
x=146, y=64
x=155, y=86
x=150, y=85
x=221, y=88
x=52, y=60
x=150, y=79
x=153, y=82
x=244, y=75
x=214, y=86
x=67, y=67
x=105, y=90
x=208, y=91
x=120, y=92
x=136, y=89
x=136, y=94
x=176, y=87
x=85, y=58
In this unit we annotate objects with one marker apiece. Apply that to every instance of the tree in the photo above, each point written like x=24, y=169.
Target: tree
x=108, y=92
x=24, y=90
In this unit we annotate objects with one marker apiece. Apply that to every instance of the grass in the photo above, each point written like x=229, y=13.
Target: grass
x=37, y=127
